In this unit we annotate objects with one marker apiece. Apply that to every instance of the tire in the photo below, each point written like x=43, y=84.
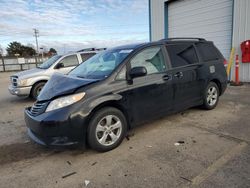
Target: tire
x=36, y=89
x=211, y=96
x=102, y=135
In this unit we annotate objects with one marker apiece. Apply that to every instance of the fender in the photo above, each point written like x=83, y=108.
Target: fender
x=106, y=98
x=31, y=81
x=93, y=102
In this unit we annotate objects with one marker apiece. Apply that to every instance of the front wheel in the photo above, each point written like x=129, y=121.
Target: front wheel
x=107, y=128
x=37, y=88
x=211, y=96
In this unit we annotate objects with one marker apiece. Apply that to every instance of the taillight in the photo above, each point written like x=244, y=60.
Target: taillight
x=225, y=62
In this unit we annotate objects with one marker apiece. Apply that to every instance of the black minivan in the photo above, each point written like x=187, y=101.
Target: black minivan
x=117, y=89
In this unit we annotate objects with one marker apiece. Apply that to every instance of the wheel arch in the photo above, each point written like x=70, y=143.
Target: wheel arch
x=37, y=82
x=218, y=83
x=110, y=103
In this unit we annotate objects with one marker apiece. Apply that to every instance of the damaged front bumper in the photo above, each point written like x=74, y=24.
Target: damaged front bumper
x=56, y=128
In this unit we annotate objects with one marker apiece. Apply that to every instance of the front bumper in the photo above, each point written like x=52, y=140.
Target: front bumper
x=56, y=128
x=20, y=91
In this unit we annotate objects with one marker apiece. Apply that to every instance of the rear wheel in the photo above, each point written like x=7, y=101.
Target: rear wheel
x=107, y=129
x=37, y=89
x=211, y=96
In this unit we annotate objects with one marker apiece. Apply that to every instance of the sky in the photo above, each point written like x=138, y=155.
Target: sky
x=69, y=25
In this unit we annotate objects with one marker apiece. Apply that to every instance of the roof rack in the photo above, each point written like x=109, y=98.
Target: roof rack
x=184, y=38
x=99, y=49
x=91, y=49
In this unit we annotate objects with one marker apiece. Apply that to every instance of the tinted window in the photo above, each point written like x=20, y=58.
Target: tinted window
x=151, y=58
x=69, y=61
x=86, y=56
x=182, y=54
x=208, y=51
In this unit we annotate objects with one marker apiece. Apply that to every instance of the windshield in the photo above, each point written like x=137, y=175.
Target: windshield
x=49, y=62
x=101, y=65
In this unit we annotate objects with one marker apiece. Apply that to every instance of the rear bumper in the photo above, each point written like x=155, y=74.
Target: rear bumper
x=56, y=128
x=20, y=91
x=223, y=87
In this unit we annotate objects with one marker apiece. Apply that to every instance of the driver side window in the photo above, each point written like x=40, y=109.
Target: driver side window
x=150, y=58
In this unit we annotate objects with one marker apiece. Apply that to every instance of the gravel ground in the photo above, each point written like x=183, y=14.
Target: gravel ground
x=215, y=152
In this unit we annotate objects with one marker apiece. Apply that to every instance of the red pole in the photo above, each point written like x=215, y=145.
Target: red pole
x=237, y=70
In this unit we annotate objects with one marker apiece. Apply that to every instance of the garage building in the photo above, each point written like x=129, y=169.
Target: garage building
x=226, y=22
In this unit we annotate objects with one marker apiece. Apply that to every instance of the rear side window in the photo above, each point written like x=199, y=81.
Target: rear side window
x=86, y=56
x=182, y=54
x=69, y=61
x=208, y=51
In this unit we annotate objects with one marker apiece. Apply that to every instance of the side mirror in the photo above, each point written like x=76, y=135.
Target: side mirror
x=137, y=72
x=59, y=65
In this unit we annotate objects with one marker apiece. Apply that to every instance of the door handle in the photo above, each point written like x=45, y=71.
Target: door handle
x=179, y=75
x=167, y=77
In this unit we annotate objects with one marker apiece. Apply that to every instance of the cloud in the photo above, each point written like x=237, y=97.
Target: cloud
x=73, y=21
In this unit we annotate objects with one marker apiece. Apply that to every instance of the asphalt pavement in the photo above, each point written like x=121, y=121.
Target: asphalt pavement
x=194, y=148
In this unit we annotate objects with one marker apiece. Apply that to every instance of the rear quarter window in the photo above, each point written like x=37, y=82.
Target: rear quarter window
x=208, y=52
x=86, y=56
x=182, y=54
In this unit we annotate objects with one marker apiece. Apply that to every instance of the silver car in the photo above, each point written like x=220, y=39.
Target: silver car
x=31, y=82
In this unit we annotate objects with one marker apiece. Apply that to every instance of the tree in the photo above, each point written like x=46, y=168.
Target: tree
x=28, y=51
x=1, y=50
x=52, y=51
x=31, y=45
x=17, y=48
x=14, y=48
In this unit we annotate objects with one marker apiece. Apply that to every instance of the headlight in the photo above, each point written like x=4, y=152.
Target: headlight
x=64, y=101
x=22, y=82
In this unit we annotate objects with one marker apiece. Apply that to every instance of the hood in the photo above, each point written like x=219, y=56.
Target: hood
x=60, y=84
x=29, y=73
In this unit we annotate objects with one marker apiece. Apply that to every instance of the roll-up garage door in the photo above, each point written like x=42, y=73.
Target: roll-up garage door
x=210, y=19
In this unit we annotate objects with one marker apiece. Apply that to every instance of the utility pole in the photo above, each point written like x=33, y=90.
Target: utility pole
x=36, y=35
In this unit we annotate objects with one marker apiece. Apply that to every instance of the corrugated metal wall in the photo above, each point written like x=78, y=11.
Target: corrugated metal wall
x=241, y=32
x=157, y=19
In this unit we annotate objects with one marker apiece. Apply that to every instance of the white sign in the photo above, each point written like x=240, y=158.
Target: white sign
x=21, y=60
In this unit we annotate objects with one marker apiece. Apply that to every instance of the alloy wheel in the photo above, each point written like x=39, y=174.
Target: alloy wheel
x=108, y=130
x=212, y=96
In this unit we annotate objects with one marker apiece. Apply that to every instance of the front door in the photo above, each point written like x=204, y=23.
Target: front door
x=150, y=96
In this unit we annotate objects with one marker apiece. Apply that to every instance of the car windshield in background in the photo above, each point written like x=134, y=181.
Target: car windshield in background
x=49, y=62
x=101, y=65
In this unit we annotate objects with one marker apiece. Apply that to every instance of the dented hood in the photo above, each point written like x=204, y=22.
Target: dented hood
x=60, y=84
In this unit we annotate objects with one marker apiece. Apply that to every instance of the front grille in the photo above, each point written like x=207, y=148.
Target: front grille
x=38, y=108
x=13, y=80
